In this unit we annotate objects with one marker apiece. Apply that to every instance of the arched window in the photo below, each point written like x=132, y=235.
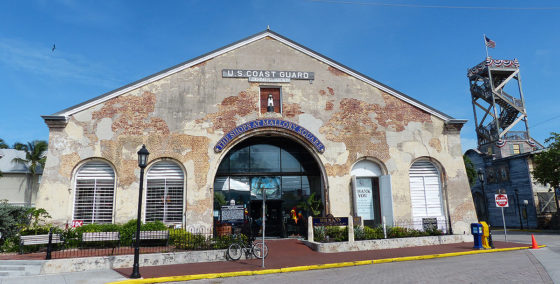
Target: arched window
x=94, y=194
x=164, y=193
x=425, y=194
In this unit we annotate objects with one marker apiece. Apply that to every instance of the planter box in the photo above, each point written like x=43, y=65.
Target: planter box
x=387, y=243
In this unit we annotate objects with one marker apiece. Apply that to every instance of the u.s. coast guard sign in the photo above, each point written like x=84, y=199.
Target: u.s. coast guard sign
x=278, y=123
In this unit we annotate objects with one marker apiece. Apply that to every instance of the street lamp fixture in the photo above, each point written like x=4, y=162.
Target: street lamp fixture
x=480, y=173
x=142, y=163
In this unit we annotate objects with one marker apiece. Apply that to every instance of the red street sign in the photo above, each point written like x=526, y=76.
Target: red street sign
x=501, y=200
x=77, y=223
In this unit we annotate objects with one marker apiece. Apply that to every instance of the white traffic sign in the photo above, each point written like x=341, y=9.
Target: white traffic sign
x=501, y=200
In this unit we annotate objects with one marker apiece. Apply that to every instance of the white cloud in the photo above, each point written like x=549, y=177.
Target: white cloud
x=39, y=59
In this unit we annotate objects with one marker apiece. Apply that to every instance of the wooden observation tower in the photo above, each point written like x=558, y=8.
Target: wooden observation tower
x=500, y=117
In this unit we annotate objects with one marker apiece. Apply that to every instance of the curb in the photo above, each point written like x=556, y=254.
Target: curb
x=309, y=267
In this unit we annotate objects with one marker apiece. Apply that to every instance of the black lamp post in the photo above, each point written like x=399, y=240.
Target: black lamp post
x=142, y=162
x=518, y=208
x=480, y=174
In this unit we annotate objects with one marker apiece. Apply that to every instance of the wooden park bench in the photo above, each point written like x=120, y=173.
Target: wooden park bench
x=153, y=235
x=112, y=238
x=32, y=240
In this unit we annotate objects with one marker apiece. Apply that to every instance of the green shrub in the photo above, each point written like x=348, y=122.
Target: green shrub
x=182, y=239
x=223, y=242
x=12, y=219
x=319, y=234
x=337, y=234
x=373, y=233
x=359, y=233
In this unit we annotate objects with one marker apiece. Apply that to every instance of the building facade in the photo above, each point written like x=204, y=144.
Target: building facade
x=17, y=185
x=504, y=156
x=263, y=114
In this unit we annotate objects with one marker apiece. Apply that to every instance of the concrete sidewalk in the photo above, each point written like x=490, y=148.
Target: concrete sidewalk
x=294, y=255
x=86, y=277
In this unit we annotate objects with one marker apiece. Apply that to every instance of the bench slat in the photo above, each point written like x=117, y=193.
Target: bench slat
x=100, y=236
x=154, y=235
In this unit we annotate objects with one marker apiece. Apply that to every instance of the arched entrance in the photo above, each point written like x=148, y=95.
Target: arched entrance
x=282, y=168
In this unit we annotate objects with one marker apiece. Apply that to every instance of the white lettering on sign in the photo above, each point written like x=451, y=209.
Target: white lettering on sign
x=77, y=223
x=270, y=74
x=501, y=200
x=363, y=193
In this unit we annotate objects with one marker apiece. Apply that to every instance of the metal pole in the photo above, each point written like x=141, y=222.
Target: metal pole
x=135, y=266
x=263, y=223
x=518, y=208
x=504, y=219
x=484, y=38
x=486, y=213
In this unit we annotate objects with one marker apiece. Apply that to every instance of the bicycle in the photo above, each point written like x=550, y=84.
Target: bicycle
x=258, y=249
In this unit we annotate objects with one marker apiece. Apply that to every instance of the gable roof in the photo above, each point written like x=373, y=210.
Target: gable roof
x=64, y=114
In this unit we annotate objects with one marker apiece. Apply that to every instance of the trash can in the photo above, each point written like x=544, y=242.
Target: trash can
x=485, y=235
x=476, y=231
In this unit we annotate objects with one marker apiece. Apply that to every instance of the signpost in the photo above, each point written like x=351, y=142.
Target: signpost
x=502, y=201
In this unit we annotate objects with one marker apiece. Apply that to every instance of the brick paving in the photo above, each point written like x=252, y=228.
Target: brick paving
x=290, y=252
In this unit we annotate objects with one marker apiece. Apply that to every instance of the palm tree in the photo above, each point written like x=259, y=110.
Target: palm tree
x=3, y=144
x=35, y=157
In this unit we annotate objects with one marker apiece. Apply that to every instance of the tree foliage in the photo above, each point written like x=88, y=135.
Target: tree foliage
x=3, y=144
x=34, y=155
x=471, y=171
x=547, y=163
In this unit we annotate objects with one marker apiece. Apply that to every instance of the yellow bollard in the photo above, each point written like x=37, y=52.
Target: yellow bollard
x=485, y=235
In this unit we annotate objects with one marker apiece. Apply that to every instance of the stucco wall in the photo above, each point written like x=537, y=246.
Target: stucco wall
x=14, y=188
x=183, y=115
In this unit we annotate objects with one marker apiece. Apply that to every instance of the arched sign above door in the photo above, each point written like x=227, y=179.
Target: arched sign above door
x=276, y=123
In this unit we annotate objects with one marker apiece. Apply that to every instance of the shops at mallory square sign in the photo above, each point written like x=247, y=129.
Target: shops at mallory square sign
x=277, y=123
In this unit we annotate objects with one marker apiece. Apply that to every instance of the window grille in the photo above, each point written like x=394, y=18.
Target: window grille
x=547, y=202
x=95, y=189
x=164, y=193
x=425, y=192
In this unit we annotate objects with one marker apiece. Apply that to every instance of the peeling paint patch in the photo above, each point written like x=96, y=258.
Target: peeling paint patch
x=436, y=144
x=322, y=92
x=329, y=105
x=353, y=126
x=67, y=163
x=131, y=115
x=291, y=110
x=241, y=105
x=331, y=91
x=336, y=72
x=398, y=113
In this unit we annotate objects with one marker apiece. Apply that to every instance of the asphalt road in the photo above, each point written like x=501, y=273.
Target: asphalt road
x=525, y=266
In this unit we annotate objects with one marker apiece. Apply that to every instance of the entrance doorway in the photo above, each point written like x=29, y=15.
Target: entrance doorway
x=281, y=168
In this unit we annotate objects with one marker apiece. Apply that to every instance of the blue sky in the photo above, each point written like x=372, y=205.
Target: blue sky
x=421, y=51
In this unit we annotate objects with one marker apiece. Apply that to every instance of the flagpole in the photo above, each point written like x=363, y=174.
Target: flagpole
x=485, y=45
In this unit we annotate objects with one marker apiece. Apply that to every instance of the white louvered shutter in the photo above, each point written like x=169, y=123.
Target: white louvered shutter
x=164, y=194
x=425, y=193
x=94, y=194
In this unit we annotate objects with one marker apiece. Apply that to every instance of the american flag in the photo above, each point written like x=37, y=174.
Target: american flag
x=490, y=43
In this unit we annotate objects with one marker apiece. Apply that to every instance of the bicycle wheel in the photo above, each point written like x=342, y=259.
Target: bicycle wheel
x=234, y=251
x=260, y=250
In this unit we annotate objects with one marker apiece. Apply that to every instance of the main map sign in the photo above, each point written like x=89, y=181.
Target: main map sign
x=277, y=123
